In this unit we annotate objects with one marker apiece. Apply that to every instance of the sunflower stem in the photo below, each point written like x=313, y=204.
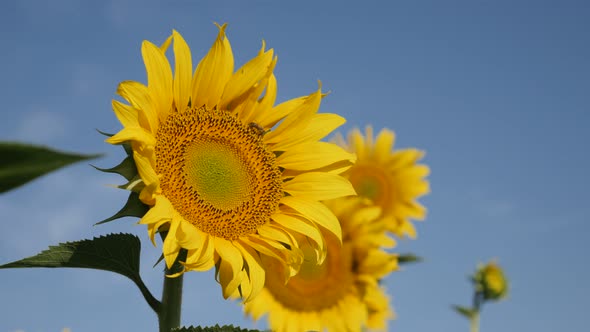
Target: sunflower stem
x=169, y=315
x=474, y=322
x=474, y=319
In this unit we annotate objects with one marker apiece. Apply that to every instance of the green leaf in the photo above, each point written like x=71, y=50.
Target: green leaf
x=117, y=253
x=467, y=312
x=21, y=163
x=133, y=208
x=216, y=328
x=408, y=258
x=126, y=168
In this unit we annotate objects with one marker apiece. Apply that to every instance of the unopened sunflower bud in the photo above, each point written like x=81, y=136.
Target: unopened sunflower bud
x=490, y=280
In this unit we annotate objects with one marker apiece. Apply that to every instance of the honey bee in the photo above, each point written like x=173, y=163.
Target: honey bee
x=258, y=128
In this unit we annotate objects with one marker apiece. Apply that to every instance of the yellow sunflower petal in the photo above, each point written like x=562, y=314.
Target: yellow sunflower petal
x=245, y=78
x=230, y=266
x=257, y=311
x=264, y=248
x=300, y=225
x=369, y=135
x=358, y=144
x=320, y=126
x=183, y=72
x=139, y=96
x=295, y=121
x=291, y=259
x=188, y=236
x=154, y=228
x=312, y=155
x=319, y=186
x=145, y=169
x=247, y=105
x=162, y=210
x=339, y=140
x=267, y=102
x=136, y=134
x=406, y=228
x=213, y=72
x=277, y=234
x=315, y=211
x=166, y=44
x=127, y=115
x=202, y=259
x=378, y=263
x=405, y=157
x=270, y=118
x=303, y=133
x=384, y=144
x=159, y=76
x=256, y=272
x=170, y=248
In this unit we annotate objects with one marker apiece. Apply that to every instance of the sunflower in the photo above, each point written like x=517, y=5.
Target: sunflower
x=342, y=293
x=229, y=176
x=391, y=179
x=490, y=281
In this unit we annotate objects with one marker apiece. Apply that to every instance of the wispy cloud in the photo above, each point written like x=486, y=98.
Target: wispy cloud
x=56, y=208
x=123, y=13
x=88, y=79
x=40, y=125
x=43, y=10
x=496, y=208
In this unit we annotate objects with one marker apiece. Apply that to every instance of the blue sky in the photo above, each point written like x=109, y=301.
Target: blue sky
x=496, y=93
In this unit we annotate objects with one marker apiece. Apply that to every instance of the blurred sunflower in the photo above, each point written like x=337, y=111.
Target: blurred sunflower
x=342, y=293
x=230, y=176
x=490, y=281
x=391, y=179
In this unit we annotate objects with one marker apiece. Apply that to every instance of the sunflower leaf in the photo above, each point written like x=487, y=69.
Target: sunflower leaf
x=216, y=328
x=134, y=207
x=117, y=253
x=126, y=168
x=408, y=258
x=22, y=163
x=466, y=312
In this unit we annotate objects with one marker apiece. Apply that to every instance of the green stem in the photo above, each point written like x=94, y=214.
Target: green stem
x=169, y=315
x=474, y=320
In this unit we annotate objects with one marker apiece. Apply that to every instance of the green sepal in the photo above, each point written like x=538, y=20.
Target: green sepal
x=408, y=258
x=118, y=253
x=159, y=260
x=105, y=133
x=216, y=328
x=469, y=313
x=21, y=163
x=133, y=208
x=126, y=168
x=128, y=149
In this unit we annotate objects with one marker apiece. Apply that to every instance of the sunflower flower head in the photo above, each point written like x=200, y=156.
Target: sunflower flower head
x=232, y=178
x=391, y=179
x=490, y=281
x=342, y=293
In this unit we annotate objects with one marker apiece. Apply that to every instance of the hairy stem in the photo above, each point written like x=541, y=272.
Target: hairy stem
x=171, y=307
